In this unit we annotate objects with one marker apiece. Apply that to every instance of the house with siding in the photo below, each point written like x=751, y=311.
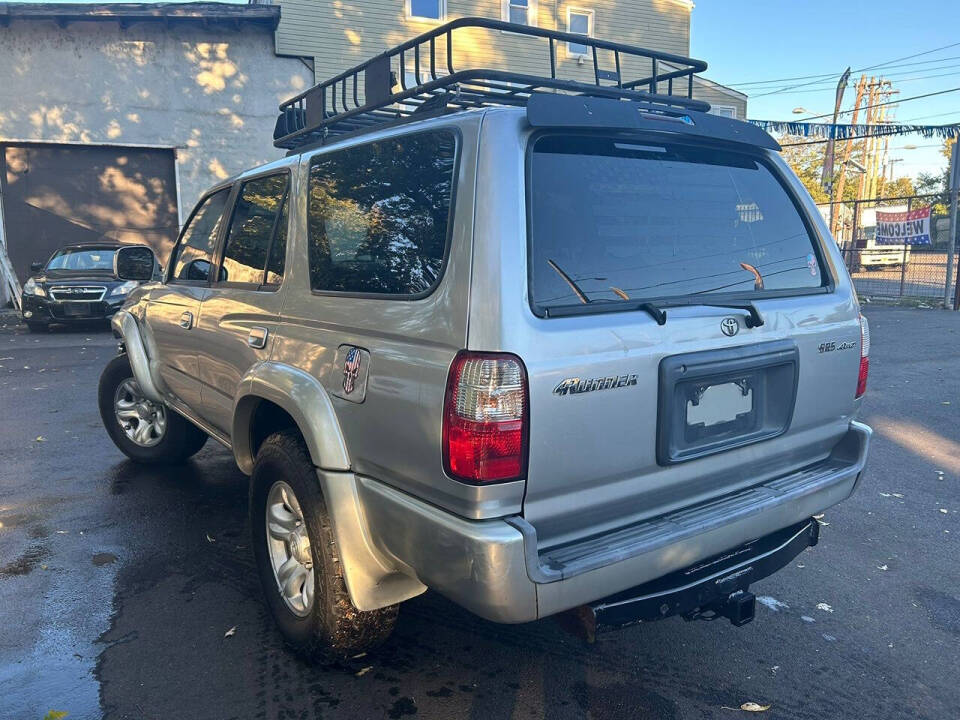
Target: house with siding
x=339, y=35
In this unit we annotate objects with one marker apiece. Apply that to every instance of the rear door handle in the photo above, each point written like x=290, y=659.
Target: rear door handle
x=257, y=337
x=186, y=320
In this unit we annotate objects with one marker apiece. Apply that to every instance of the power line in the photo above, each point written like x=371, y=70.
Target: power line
x=832, y=85
x=832, y=75
x=926, y=117
x=863, y=69
x=888, y=102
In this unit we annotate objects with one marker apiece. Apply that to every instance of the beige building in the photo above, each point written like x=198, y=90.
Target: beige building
x=340, y=35
x=115, y=117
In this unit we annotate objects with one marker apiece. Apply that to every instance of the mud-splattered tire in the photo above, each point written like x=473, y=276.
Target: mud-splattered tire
x=319, y=621
x=179, y=439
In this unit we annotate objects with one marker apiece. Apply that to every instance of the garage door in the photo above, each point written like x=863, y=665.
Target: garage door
x=55, y=195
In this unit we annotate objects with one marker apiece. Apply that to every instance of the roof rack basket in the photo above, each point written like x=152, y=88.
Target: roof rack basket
x=423, y=70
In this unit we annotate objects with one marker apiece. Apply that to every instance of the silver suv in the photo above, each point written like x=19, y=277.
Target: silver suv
x=541, y=345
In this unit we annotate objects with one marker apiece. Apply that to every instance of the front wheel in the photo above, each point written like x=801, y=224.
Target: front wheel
x=145, y=431
x=297, y=557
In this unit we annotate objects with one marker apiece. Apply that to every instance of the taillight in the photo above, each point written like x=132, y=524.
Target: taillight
x=485, y=418
x=864, y=356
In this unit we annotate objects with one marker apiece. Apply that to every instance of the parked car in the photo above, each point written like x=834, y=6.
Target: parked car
x=550, y=352
x=77, y=283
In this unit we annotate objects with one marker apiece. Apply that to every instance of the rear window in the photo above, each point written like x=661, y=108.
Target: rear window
x=378, y=215
x=647, y=220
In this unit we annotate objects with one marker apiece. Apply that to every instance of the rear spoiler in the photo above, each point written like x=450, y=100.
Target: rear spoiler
x=551, y=110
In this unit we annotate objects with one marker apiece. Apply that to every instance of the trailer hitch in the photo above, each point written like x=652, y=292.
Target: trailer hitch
x=717, y=587
x=739, y=608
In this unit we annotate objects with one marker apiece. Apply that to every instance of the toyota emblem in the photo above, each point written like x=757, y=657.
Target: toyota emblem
x=730, y=326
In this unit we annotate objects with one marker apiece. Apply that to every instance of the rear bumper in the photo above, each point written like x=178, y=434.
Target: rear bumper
x=495, y=569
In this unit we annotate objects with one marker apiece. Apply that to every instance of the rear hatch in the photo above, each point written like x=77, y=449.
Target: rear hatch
x=688, y=338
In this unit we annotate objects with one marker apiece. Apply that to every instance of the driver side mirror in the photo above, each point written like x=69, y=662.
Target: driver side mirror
x=36, y=267
x=134, y=262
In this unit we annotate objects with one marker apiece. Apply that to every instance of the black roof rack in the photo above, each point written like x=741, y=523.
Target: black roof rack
x=428, y=81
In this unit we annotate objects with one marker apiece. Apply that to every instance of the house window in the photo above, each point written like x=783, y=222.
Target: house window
x=522, y=12
x=579, y=22
x=727, y=111
x=427, y=9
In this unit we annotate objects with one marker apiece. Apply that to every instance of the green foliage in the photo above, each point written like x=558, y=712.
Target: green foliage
x=937, y=183
x=901, y=187
x=807, y=162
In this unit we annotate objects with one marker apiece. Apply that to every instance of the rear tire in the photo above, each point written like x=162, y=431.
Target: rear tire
x=317, y=620
x=178, y=439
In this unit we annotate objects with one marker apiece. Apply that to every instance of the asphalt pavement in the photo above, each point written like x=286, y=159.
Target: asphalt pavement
x=119, y=585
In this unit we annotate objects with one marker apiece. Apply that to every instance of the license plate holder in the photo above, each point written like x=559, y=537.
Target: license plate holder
x=76, y=309
x=717, y=400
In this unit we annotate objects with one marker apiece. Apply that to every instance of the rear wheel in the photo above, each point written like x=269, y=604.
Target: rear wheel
x=145, y=431
x=297, y=557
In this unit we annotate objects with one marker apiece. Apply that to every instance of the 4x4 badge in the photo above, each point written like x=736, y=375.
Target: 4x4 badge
x=729, y=326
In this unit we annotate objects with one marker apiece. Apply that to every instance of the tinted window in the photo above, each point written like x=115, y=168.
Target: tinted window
x=378, y=215
x=195, y=251
x=252, y=229
x=278, y=250
x=654, y=221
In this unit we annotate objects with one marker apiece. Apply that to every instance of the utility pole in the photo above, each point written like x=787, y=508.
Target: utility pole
x=952, y=237
x=826, y=181
x=837, y=193
x=871, y=101
x=872, y=177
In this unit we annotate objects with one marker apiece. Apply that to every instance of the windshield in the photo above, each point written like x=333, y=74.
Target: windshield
x=98, y=260
x=615, y=220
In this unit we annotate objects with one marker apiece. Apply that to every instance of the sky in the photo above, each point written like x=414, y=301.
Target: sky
x=748, y=41
x=745, y=41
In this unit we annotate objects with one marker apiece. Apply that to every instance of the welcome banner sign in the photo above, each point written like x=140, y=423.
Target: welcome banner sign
x=904, y=228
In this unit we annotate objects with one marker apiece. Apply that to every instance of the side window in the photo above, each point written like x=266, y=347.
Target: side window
x=378, y=215
x=253, y=226
x=195, y=251
x=278, y=250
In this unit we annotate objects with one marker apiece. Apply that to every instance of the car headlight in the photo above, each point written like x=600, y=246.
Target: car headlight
x=30, y=287
x=124, y=288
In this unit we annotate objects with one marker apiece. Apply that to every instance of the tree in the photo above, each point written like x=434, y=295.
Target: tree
x=938, y=183
x=901, y=187
x=807, y=162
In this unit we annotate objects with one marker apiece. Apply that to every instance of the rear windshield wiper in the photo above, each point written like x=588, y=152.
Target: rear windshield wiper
x=569, y=281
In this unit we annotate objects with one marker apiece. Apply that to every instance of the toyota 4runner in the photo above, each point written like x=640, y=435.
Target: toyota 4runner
x=539, y=344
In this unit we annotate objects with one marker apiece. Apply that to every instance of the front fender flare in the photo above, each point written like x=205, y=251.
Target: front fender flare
x=300, y=395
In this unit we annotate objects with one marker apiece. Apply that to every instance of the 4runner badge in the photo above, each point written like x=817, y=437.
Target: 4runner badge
x=575, y=386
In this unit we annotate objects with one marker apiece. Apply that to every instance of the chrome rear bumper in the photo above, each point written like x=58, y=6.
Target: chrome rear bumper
x=494, y=568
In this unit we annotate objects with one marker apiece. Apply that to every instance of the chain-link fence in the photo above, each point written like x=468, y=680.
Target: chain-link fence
x=893, y=271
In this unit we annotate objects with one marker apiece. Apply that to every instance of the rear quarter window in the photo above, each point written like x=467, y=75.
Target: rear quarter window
x=631, y=219
x=379, y=214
